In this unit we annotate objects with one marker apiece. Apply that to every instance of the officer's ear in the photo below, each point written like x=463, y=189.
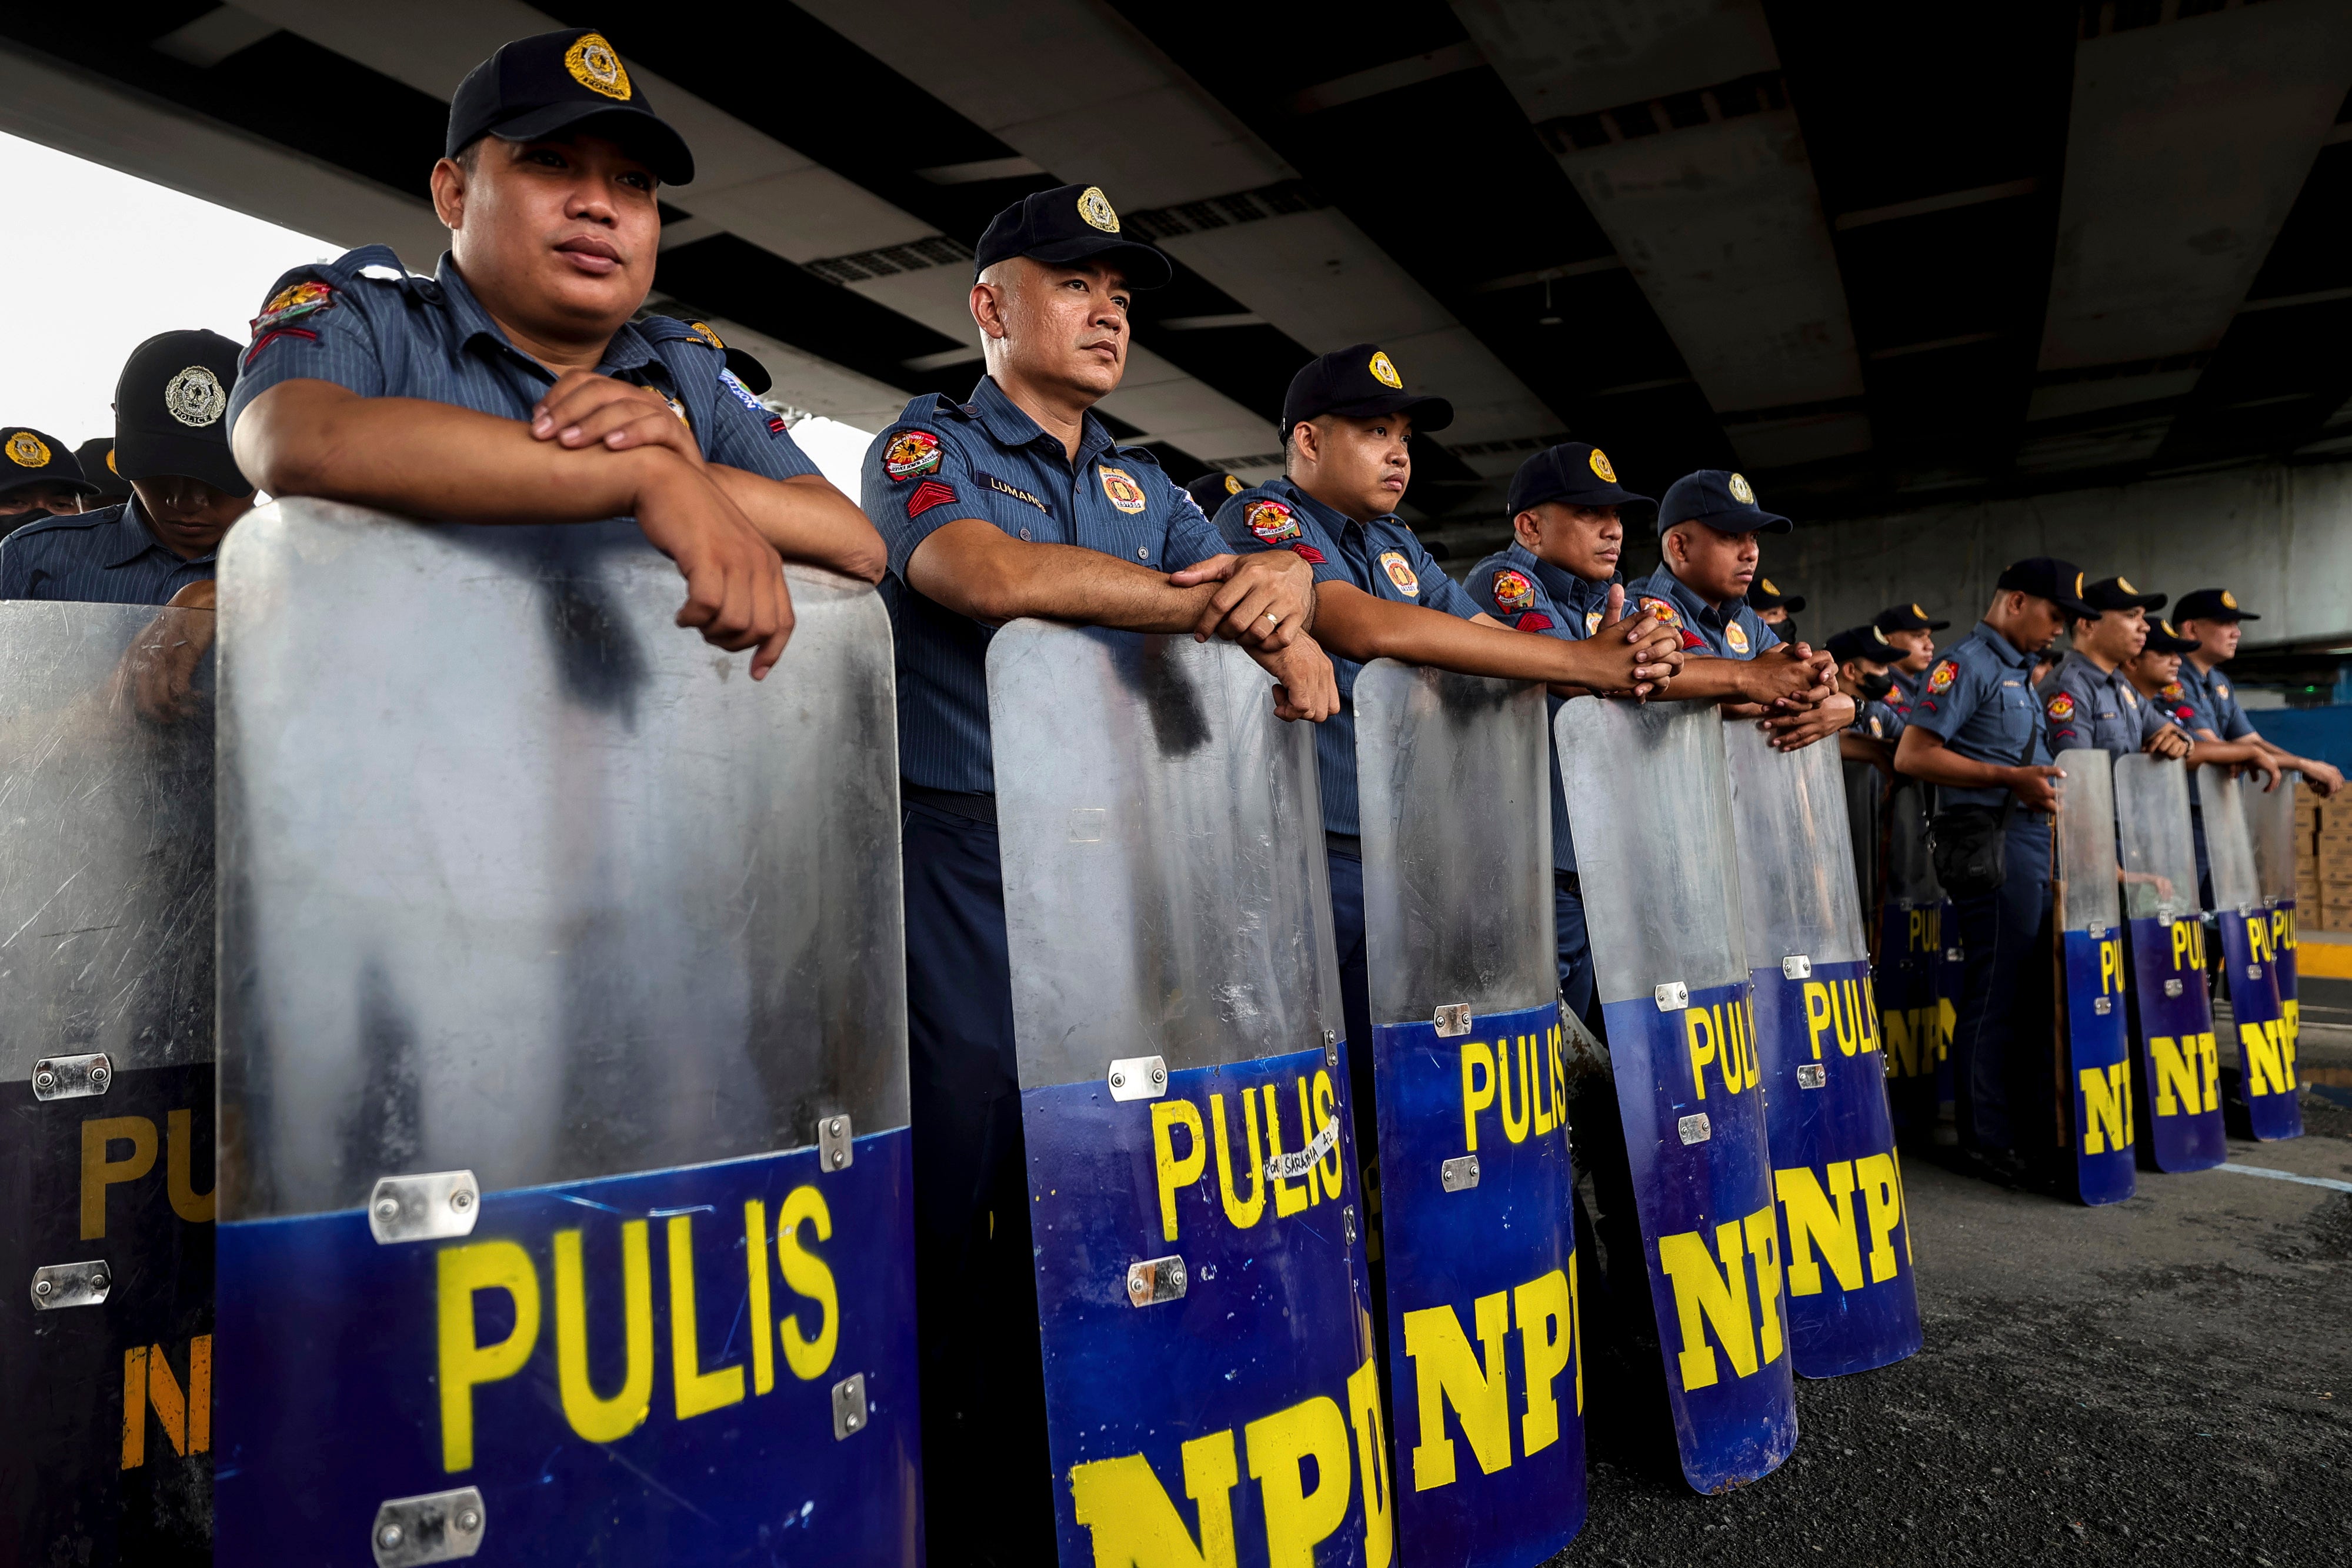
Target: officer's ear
x=1527, y=528
x=450, y=180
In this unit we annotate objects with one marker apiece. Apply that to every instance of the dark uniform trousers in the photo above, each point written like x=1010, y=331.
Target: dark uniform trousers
x=987, y=1478
x=2002, y=1038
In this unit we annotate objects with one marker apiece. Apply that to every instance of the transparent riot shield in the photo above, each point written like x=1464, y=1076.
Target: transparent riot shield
x=1866, y=793
x=1651, y=808
x=1471, y=1085
x=2094, y=1049
x=2179, y=1094
x=565, y=1181
x=2270, y=828
x=1847, y=1240
x=2249, y=961
x=1206, y=1322
x=105, y=1068
x=1915, y=1010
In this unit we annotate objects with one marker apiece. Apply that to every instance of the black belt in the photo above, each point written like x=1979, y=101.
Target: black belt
x=980, y=808
x=1567, y=882
x=1345, y=843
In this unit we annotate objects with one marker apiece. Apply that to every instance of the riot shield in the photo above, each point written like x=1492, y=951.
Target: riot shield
x=2179, y=1092
x=2094, y=1051
x=1915, y=1013
x=1206, y=1323
x=2249, y=961
x=1470, y=1086
x=1846, y=1240
x=106, y=1056
x=565, y=1179
x=1865, y=793
x=2270, y=828
x=1651, y=808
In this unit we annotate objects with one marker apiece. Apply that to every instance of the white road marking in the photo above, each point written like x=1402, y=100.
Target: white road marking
x=2332, y=1186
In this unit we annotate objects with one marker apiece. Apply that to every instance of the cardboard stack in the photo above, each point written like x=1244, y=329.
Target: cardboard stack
x=2331, y=864
x=2310, y=912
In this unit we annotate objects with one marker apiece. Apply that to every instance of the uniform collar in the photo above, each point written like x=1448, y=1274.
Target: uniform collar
x=1009, y=425
x=627, y=351
x=2076, y=660
x=2003, y=649
x=1568, y=590
x=1333, y=520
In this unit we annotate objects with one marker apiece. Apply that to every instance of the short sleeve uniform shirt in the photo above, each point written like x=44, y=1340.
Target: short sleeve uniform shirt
x=1975, y=699
x=105, y=557
x=1729, y=630
x=1529, y=594
x=2211, y=699
x=2086, y=706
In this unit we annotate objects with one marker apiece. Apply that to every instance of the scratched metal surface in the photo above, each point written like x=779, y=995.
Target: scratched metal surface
x=106, y=841
x=1454, y=787
x=520, y=878
x=1796, y=851
x=1165, y=888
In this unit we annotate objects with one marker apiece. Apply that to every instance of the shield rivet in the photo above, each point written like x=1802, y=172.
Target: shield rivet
x=41, y=1286
x=1118, y=1080
x=461, y=1200
x=389, y=1537
x=388, y=1209
x=45, y=1081
x=469, y=1521
x=99, y=1077
x=1158, y=1075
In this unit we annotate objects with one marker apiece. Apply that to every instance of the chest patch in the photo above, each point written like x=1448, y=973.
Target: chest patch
x=1124, y=492
x=1940, y=678
x=1400, y=571
x=1513, y=591
x=1591, y=622
x=1004, y=487
x=2061, y=707
x=2220, y=693
x=1271, y=521
x=1878, y=730
x=1735, y=638
x=910, y=455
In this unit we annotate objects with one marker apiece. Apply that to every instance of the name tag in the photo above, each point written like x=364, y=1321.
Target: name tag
x=1004, y=487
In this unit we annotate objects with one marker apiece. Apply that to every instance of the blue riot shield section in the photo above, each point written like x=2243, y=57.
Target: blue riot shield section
x=1846, y=1243
x=2249, y=961
x=1650, y=804
x=106, y=1084
x=1212, y=1391
x=565, y=1185
x=2094, y=1048
x=2177, y=1100
x=2270, y=828
x=1476, y=1273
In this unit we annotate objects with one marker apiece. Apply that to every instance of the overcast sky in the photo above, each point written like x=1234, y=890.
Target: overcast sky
x=131, y=259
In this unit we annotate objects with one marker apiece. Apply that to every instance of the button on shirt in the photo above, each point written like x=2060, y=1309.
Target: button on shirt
x=105, y=557
x=1975, y=700
x=1730, y=630
x=1525, y=592
x=2087, y=706
x=1382, y=558
x=362, y=323
x=988, y=460
x=2214, y=703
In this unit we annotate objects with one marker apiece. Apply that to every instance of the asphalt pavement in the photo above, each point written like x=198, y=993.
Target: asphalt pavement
x=2167, y=1380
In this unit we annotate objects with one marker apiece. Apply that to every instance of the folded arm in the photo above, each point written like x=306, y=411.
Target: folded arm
x=1362, y=626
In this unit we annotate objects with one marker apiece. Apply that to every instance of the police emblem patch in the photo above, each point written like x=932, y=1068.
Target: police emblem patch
x=1878, y=730
x=2221, y=690
x=194, y=397
x=1233, y=486
x=1591, y=622
x=2061, y=707
x=910, y=455
x=1094, y=208
x=1658, y=609
x=28, y=450
x=1400, y=571
x=1940, y=678
x=1384, y=372
x=1599, y=462
x=596, y=66
x=1513, y=591
x=2171, y=692
x=744, y=394
x=1270, y=521
x=1123, y=492
x=1742, y=491
x=288, y=304
x=702, y=330
x=1735, y=638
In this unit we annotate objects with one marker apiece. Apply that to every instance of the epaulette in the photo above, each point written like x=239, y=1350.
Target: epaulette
x=670, y=329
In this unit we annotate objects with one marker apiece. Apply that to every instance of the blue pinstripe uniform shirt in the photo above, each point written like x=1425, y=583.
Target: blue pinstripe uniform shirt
x=2216, y=708
x=362, y=323
x=1529, y=594
x=1976, y=701
x=1706, y=628
x=986, y=460
x=104, y=557
x=1382, y=558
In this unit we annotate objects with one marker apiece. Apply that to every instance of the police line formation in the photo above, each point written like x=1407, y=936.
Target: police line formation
x=489, y=1078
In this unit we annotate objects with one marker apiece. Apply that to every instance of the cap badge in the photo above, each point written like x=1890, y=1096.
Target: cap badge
x=1270, y=521
x=1880, y=638
x=1735, y=638
x=1766, y=582
x=1400, y=571
x=595, y=66
x=910, y=455
x=28, y=450
x=2229, y=600
x=1741, y=491
x=109, y=464
x=1513, y=591
x=1599, y=460
x=1094, y=208
x=2124, y=584
x=2078, y=584
x=1385, y=373
x=194, y=397
x=1233, y=486
x=1917, y=610
x=1123, y=492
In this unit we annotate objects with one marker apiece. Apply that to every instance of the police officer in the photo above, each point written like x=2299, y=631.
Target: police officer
x=96, y=456
x=1911, y=631
x=1865, y=657
x=512, y=386
x=2213, y=616
x=1212, y=490
x=2088, y=700
x=159, y=547
x=1977, y=733
x=1774, y=608
x=41, y=479
x=1018, y=503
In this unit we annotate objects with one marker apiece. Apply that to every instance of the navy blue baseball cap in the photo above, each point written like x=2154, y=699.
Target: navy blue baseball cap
x=2211, y=605
x=2047, y=577
x=1862, y=642
x=1907, y=618
x=2162, y=638
x=2116, y=593
x=1721, y=500
x=96, y=456
x=535, y=87
x=169, y=408
x=1573, y=472
x=34, y=459
x=1213, y=490
x=1358, y=382
x=1069, y=223
x=1762, y=594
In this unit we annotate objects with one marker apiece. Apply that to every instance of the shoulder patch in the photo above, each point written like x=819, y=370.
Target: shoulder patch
x=1123, y=492
x=741, y=393
x=1662, y=610
x=1400, y=574
x=1513, y=591
x=2061, y=707
x=910, y=455
x=1271, y=521
x=2171, y=692
x=1940, y=678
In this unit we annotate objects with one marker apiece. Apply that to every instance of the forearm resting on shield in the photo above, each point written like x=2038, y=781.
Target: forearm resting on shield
x=1778, y=680
x=2209, y=751
x=1924, y=756
x=438, y=461
x=1640, y=657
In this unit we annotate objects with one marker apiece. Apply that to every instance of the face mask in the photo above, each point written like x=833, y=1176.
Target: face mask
x=1875, y=687
x=10, y=522
x=1787, y=630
